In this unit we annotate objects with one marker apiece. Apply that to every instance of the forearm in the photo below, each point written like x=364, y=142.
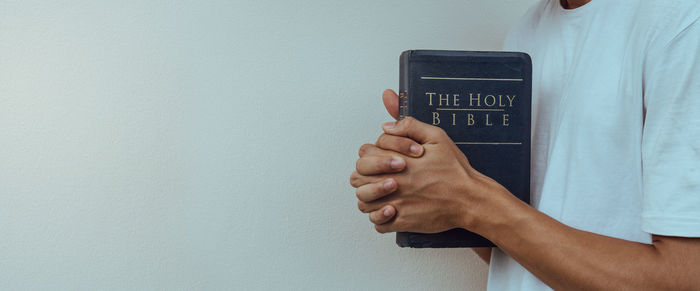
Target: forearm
x=569, y=259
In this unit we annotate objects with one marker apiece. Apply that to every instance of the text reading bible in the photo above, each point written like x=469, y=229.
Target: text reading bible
x=483, y=101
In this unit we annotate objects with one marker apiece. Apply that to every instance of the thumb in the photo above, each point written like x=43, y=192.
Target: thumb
x=391, y=102
x=415, y=130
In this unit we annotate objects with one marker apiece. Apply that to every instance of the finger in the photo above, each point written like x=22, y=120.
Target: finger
x=357, y=180
x=373, y=191
x=414, y=129
x=391, y=102
x=373, y=165
x=385, y=228
x=368, y=207
x=395, y=225
x=400, y=144
x=373, y=150
x=369, y=149
x=383, y=215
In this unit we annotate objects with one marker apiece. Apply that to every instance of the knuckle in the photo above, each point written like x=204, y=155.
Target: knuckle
x=364, y=149
x=364, y=166
x=440, y=131
x=362, y=194
x=379, y=228
x=372, y=218
x=437, y=133
x=409, y=121
x=361, y=206
x=355, y=179
x=381, y=140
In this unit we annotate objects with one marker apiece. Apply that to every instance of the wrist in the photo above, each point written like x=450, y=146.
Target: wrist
x=508, y=220
x=493, y=212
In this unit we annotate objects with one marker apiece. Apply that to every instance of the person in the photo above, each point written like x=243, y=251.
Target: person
x=615, y=171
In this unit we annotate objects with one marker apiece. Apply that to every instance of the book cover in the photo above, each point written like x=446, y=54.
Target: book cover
x=483, y=101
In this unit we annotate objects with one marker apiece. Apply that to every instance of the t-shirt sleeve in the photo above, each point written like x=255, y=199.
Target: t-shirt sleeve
x=671, y=137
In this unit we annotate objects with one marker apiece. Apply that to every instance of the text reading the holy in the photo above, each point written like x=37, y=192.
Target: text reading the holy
x=473, y=109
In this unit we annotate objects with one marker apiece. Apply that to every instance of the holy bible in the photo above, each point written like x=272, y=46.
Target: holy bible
x=483, y=101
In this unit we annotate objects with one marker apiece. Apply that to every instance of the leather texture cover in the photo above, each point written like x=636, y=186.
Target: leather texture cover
x=483, y=101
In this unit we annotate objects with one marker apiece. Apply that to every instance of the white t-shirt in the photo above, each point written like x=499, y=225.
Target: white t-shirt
x=616, y=120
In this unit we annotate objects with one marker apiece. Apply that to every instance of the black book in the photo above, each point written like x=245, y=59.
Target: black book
x=483, y=101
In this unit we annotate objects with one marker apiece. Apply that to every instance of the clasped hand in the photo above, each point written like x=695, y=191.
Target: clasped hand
x=415, y=179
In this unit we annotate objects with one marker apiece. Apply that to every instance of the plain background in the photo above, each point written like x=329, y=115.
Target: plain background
x=208, y=144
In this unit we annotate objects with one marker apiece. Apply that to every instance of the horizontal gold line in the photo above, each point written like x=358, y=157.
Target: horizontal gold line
x=471, y=79
x=489, y=143
x=469, y=109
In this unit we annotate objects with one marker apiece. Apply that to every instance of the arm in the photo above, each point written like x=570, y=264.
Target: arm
x=439, y=190
x=569, y=259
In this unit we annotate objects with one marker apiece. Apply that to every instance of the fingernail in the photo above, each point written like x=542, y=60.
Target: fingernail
x=397, y=164
x=416, y=149
x=387, y=211
x=389, y=125
x=388, y=184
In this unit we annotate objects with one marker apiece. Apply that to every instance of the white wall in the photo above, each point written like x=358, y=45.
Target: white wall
x=188, y=145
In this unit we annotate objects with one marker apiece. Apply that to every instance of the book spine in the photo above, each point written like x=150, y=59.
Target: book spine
x=403, y=239
x=403, y=85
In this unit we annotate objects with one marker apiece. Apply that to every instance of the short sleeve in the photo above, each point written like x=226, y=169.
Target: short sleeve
x=671, y=137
